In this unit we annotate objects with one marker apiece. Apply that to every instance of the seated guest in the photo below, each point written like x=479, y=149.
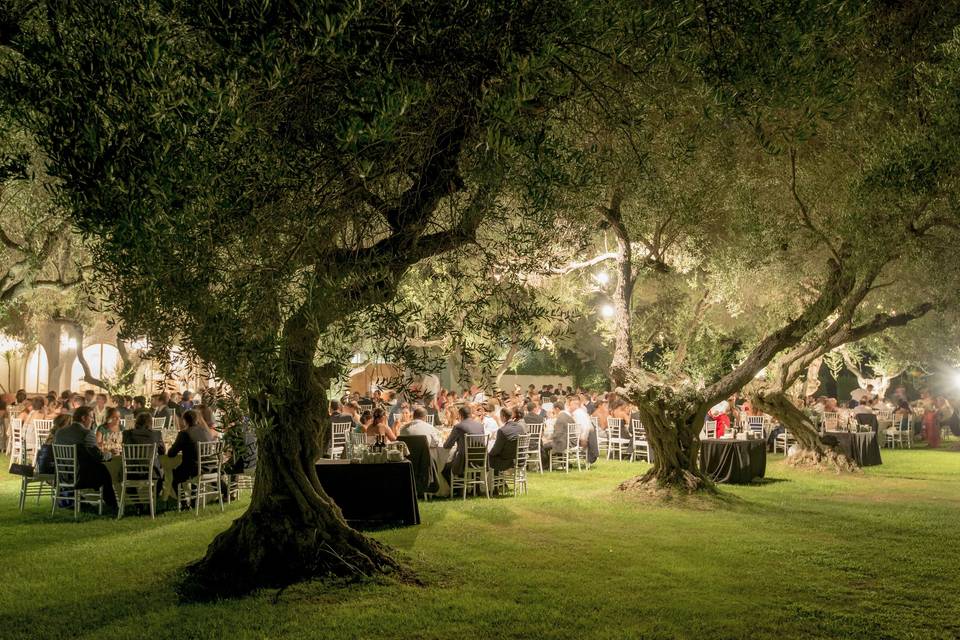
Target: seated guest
x=484, y=417
x=45, y=462
x=348, y=413
x=504, y=451
x=100, y=409
x=242, y=441
x=533, y=415
x=109, y=436
x=161, y=410
x=143, y=433
x=91, y=472
x=379, y=427
x=404, y=418
x=863, y=406
x=465, y=427
x=558, y=441
x=192, y=432
x=139, y=404
x=420, y=427
x=366, y=419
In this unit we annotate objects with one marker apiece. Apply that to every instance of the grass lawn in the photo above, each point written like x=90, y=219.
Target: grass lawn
x=803, y=556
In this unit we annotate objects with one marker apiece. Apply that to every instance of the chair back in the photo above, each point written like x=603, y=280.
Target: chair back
x=208, y=457
x=614, y=427
x=593, y=423
x=831, y=420
x=523, y=451
x=535, y=433
x=338, y=436
x=41, y=429
x=123, y=424
x=639, y=433
x=65, y=461
x=16, y=435
x=710, y=429
x=475, y=454
x=159, y=423
x=429, y=419
x=138, y=460
x=755, y=425
x=573, y=437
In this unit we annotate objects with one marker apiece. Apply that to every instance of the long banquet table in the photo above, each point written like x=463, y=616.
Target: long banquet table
x=733, y=461
x=862, y=446
x=372, y=495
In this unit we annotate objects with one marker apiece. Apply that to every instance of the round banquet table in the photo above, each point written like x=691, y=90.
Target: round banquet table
x=862, y=447
x=115, y=466
x=733, y=461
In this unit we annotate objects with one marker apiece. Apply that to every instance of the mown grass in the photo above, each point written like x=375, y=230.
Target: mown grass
x=803, y=555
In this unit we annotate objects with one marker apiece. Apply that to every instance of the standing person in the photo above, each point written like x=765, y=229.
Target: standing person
x=91, y=472
x=719, y=413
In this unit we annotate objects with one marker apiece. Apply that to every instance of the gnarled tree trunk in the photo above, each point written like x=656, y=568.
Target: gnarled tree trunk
x=810, y=450
x=292, y=530
x=672, y=423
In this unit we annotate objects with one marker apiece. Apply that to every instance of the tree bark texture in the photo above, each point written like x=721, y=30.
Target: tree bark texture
x=810, y=449
x=292, y=529
x=672, y=422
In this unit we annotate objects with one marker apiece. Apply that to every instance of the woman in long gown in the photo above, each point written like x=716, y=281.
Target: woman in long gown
x=931, y=426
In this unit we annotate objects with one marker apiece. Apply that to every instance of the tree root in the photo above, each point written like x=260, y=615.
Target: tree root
x=826, y=459
x=264, y=549
x=683, y=483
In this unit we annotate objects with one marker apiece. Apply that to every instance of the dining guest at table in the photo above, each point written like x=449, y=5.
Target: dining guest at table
x=366, y=419
x=379, y=427
x=420, y=427
x=504, y=451
x=192, y=432
x=534, y=414
x=109, y=435
x=467, y=426
x=143, y=433
x=91, y=472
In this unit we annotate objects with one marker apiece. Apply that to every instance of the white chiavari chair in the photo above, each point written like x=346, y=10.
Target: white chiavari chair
x=641, y=447
x=755, y=426
x=137, y=484
x=207, y=481
x=515, y=479
x=616, y=440
x=535, y=431
x=65, y=459
x=476, y=472
x=709, y=429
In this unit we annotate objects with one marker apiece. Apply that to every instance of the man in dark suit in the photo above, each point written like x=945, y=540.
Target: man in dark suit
x=143, y=433
x=533, y=414
x=91, y=472
x=558, y=441
x=466, y=427
x=186, y=443
x=504, y=451
x=161, y=409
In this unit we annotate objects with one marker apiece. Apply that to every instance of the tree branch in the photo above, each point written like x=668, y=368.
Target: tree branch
x=804, y=212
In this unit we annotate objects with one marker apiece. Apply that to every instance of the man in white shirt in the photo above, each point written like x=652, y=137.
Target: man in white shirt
x=478, y=394
x=420, y=427
x=581, y=417
x=490, y=424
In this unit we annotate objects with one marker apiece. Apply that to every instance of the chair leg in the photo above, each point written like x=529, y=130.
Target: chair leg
x=23, y=494
x=123, y=493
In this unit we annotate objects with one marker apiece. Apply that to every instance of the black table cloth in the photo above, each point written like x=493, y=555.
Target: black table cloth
x=862, y=447
x=733, y=461
x=419, y=448
x=372, y=495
